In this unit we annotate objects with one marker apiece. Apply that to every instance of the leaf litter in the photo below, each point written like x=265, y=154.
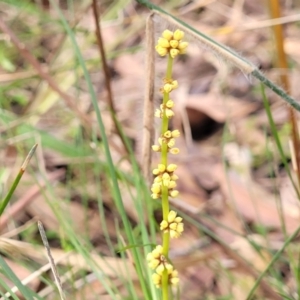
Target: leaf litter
x=222, y=117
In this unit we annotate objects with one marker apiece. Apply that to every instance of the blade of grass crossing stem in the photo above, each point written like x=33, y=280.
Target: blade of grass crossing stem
x=7, y=198
x=277, y=139
x=274, y=259
x=227, y=54
x=25, y=291
x=112, y=171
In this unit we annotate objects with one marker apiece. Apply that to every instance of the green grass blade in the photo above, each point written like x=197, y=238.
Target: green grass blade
x=25, y=291
x=277, y=139
x=7, y=198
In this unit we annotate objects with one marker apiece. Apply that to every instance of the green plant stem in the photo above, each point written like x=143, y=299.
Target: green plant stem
x=165, y=191
x=165, y=285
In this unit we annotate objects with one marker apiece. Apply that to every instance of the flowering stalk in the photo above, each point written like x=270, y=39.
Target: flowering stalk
x=164, y=184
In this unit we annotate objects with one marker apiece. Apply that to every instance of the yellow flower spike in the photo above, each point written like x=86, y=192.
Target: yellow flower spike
x=178, y=35
x=174, y=150
x=175, y=133
x=167, y=134
x=167, y=34
x=174, y=43
x=161, y=51
x=163, y=43
x=174, y=193
x=171, y=167
x=171, y=216
x=164, y=183
x=169, y=113
x=174, y=52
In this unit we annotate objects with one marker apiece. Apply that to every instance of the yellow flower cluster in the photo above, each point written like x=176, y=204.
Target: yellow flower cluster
x=164, y=177
x=170, y=43
x=173, y=225
x=158, y=262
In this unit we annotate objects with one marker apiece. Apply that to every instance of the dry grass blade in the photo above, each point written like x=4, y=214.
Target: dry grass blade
x=148, y=130
x=51, y=260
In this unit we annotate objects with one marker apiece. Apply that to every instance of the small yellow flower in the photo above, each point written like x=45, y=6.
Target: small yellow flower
x=183, y=45
x=174, y=177
x=170, y=104
x=174, y=84
x=156, y=279
x=164, y=224
x=172, y=184
x=156, y=188
x=171, y=167
x=174, y=193
x=171, y=216
x=178, y=35
x=163, y=43
x=167, y=34
x=169, y=113
x=167, y=134
x=174, y=151
x=171, y=143
x=173, y=43
x=174, y=52
x=168, y=87
x=158, y=113
x=156, y=148
x=173, y=278
x=161, y=50
x=175, y=133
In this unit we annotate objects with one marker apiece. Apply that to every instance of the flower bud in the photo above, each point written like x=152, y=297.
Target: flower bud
x=167, y=34
x=178, y=35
